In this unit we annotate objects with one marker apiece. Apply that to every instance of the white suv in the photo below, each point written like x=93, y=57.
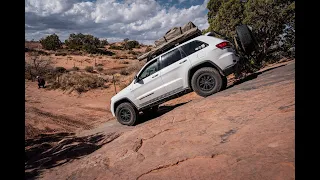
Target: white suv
x=200, y=64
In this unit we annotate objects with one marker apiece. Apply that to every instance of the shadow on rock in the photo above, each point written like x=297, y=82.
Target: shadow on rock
x=251, y=76
x=51, y=150
x=162, y=110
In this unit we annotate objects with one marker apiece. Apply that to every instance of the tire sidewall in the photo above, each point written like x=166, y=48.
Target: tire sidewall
x=133, y=113
x=207, y=70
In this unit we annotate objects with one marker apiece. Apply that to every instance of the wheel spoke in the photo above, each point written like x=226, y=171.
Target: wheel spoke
x=125, y=115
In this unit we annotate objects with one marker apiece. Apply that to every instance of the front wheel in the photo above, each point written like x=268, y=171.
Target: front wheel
x=126, y=114
x=206, y=81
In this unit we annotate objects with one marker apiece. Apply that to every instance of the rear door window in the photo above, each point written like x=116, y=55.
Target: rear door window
x=171, y=57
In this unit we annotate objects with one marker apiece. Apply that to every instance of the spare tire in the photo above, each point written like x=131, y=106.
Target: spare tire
x=246, y=38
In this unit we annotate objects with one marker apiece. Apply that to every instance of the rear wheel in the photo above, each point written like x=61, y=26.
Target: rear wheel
x=206, y=81
x=126, y=114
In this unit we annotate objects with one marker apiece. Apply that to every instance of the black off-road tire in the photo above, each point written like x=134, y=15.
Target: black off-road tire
x=125, y=109
x=203, y=73
x=246, y=38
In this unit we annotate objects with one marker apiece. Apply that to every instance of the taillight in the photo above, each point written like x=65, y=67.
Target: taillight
x=223, y=45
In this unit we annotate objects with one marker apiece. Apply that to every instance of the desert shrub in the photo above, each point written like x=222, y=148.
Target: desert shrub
x=131, y=44
x=60, y=70
x=124, y=62
x=87, y=43
x=60, y=54
x=134, y=68
x=120, y=57
x=99, y=64
x=89, y=69
x=103, y=42
x=132, y=52
x=124, y=72
x=39, y=52
x=147, y=49
x=37, y=65
x=115, y=79
x=75, y=68
x=51, y=42
x=116, y=47
x=111, y=71
x=99, y=68
x=81, y=82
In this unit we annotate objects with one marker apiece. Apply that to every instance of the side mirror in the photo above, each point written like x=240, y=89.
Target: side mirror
x=135, y=79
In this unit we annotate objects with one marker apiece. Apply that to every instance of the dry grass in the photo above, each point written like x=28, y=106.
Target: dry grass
x=124, y=72
x=89, y=69
x=99, y=68
x=124, y=62
x=80, y=82
x=111, y=71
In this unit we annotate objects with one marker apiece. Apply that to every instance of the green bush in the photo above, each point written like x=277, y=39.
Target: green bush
x=51, y=42
x=89, y=69
x=269, y=21
x=87, y=43
x=129, y=45
x=103, y=42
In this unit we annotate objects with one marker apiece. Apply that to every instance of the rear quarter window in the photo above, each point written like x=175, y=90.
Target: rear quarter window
x=193, y=47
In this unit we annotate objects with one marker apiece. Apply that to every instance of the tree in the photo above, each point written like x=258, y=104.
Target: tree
x=126, y=39
x=104, y=42
x=51, y=42
x=269, y=19
x=129, y=45
x=37, y=65
x=80, y=41
x=213, y=7
x=273, y=21
x=228, y=16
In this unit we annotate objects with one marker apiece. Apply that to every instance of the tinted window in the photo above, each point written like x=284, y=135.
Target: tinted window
x=193, y=47
x=150, y=69
x=171, y=58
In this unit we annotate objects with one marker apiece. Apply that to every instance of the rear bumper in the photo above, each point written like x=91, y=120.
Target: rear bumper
x=230, y=69
x=227, y=62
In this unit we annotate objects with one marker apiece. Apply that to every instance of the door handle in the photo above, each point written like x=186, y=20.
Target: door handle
x=183, y=61
x=155, y=76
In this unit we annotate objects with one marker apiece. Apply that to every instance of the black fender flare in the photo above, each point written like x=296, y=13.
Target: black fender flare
x=199, y=65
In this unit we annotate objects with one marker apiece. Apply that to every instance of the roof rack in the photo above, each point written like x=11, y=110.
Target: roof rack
x=177, y=38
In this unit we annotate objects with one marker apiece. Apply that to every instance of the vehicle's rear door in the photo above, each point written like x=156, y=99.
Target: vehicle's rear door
x=174, y=67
